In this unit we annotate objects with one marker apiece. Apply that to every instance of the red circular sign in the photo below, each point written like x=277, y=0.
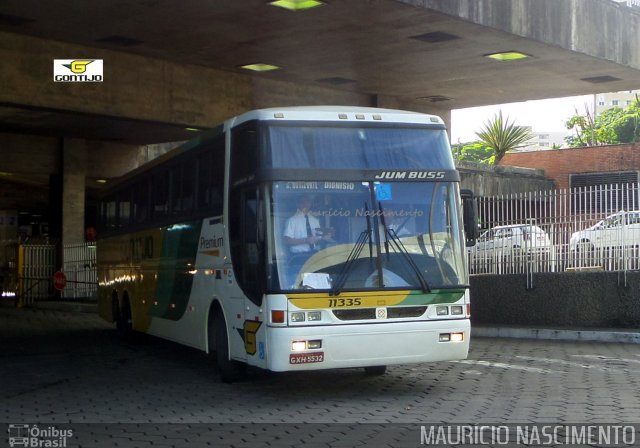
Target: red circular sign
x=59, y=280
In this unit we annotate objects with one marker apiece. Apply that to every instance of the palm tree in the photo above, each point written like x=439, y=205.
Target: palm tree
x=502, y=136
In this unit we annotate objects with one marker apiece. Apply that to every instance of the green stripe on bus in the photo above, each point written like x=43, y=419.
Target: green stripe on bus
x=177, y=258
x=436, y=296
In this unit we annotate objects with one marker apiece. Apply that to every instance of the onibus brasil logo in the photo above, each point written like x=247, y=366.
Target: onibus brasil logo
x=38, y=436
x=77, y=70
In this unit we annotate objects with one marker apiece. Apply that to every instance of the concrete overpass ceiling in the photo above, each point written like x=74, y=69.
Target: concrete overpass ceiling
x=426, y=58
x=52, y=122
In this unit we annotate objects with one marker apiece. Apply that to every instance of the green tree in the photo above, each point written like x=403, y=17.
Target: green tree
x=626, y=126
x=615, y=125
x=502, y=136
x=584, y=128
x=473, y=152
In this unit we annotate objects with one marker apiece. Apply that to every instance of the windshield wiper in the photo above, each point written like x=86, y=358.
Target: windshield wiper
x=353, y=255
x=390, y=234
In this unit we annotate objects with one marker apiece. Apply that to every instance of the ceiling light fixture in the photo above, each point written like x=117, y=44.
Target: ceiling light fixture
x=435, y=37
x=296, y=5
x=435, y=98
x=507, y=56
x=260, y=67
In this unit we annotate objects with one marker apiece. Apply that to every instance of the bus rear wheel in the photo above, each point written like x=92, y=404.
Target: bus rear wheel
x=375, y=370
x=228, y=369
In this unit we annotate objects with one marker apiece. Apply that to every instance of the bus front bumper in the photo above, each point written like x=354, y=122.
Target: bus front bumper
x=366, y=345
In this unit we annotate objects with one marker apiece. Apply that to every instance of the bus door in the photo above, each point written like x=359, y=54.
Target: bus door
x=246, y=237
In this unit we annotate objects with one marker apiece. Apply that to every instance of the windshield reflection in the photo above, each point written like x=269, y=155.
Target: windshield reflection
x=339, y=236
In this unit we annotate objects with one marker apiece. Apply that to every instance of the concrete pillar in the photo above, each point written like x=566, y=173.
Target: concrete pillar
x=74, y=171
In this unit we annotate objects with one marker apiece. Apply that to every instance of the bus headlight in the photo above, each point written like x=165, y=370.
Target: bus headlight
x=442, y=310
x=457, y=337
x=456, y=310
x=451, y=337
x=297, y=317
x=314, y=315
x=298, y=346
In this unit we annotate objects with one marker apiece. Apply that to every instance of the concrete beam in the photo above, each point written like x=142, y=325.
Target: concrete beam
x=144, y=88
x=104, y=160
x=597, y=28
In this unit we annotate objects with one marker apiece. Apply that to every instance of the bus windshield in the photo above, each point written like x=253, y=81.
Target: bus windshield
x=337, y=236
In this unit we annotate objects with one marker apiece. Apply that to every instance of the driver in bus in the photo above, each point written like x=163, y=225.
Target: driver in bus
x=300, y=229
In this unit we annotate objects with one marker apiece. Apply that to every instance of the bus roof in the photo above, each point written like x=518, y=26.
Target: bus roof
x=337, y=114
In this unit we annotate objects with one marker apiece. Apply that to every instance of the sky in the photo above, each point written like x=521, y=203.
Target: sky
x=542, y=115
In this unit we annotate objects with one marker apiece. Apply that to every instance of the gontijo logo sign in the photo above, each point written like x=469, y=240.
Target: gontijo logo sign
x=77, y=70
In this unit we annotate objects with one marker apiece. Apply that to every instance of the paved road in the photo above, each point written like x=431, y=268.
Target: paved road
x=68, y=370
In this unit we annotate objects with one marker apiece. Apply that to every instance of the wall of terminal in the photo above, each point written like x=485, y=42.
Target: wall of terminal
x=48, y=182
x=488, y=180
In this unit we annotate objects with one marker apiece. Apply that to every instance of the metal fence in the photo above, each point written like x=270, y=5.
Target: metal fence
x=590, y=228
x=28, y=275
x=80, y=269
x=35, y=267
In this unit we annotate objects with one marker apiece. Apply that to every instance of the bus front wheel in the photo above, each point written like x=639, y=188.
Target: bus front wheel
x=228, y=369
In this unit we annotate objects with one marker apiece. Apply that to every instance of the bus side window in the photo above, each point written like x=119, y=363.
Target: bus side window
x=109, y=213
x=210, y=174
x=141, y=201
x=160, y=194
x=187, y=188
x=124, y=208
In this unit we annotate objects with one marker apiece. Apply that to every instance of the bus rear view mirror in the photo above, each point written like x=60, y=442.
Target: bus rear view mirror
x=469, y=214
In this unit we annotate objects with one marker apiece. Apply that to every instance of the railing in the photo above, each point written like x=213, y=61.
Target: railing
x=594, y=228
x=35, y=268
x=80, y=269
x=30, y=276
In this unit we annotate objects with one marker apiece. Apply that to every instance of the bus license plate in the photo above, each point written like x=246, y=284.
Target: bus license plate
x=304, y=358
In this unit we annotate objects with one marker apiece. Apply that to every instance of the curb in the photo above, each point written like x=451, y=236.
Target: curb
x=606, y=335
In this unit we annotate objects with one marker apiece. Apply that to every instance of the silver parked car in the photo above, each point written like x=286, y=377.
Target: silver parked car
x=510, y=249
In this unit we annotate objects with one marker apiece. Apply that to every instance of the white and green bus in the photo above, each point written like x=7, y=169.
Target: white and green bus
x=209, y=245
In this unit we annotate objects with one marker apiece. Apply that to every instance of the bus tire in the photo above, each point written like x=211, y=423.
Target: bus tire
x=229, y=370
x=375, y=370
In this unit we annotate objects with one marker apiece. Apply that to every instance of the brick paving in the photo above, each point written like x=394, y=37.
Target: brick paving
x=68, y=369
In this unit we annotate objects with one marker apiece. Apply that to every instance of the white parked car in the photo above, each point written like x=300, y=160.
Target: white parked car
x=505, y=249
x=605, y=241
